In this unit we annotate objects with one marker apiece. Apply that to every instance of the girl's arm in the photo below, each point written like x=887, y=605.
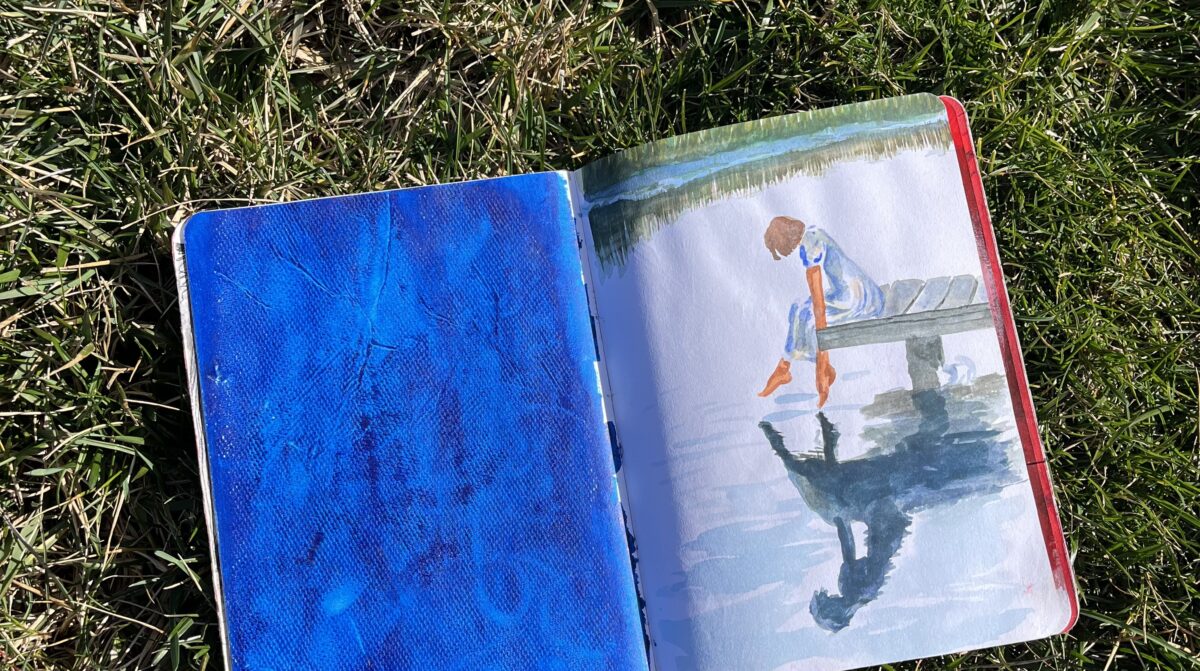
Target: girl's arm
x=813, y=274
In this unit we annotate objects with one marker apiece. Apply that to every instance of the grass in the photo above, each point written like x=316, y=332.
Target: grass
x=121, y=119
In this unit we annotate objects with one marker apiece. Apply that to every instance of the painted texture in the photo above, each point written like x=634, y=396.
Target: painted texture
x=406, y=448
x=633, y=194
x=937, y=447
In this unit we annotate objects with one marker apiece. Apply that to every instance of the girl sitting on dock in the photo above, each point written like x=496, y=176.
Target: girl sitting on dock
x=839, y=292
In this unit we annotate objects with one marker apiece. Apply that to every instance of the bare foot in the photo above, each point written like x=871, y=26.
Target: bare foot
x=780, y=377
x=825, y=377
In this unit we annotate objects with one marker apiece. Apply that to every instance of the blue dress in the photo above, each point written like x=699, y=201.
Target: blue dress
x=850, y=294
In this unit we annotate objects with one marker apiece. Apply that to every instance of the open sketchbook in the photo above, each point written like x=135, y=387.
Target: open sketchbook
x=749, y=398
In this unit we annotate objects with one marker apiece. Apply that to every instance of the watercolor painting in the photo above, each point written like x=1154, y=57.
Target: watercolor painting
x=824, y=462
x=954, y=452
x=916, y=312
x=404, y=440
x=839, y=292
x=632, y=194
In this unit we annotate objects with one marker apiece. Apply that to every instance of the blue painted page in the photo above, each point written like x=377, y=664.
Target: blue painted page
x=407, y=460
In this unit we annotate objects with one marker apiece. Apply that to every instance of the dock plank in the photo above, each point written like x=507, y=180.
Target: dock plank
x=980, y=294
x=961, y=291
x=931, y=296
x=898, y=296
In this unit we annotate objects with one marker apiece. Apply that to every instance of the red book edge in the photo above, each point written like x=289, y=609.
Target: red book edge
x=1014, y=366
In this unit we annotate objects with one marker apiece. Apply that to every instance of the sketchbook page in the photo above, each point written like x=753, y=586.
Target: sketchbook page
x=401, y=434
x=819, y=484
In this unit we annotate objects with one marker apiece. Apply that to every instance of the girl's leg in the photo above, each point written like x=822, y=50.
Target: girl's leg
x=798, y=344
x=779, y=377
x=802, y=344
x=825, y=377
x=802, y=332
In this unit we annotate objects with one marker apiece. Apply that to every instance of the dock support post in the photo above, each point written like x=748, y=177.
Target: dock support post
x=925, y=358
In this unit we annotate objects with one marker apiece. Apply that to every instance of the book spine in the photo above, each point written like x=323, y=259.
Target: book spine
x=193, y=393
x=583, y=242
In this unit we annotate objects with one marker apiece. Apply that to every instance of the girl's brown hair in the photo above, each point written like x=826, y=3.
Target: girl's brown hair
x=783, y=235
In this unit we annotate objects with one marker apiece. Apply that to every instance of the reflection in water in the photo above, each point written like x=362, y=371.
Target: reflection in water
x=931, y=448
